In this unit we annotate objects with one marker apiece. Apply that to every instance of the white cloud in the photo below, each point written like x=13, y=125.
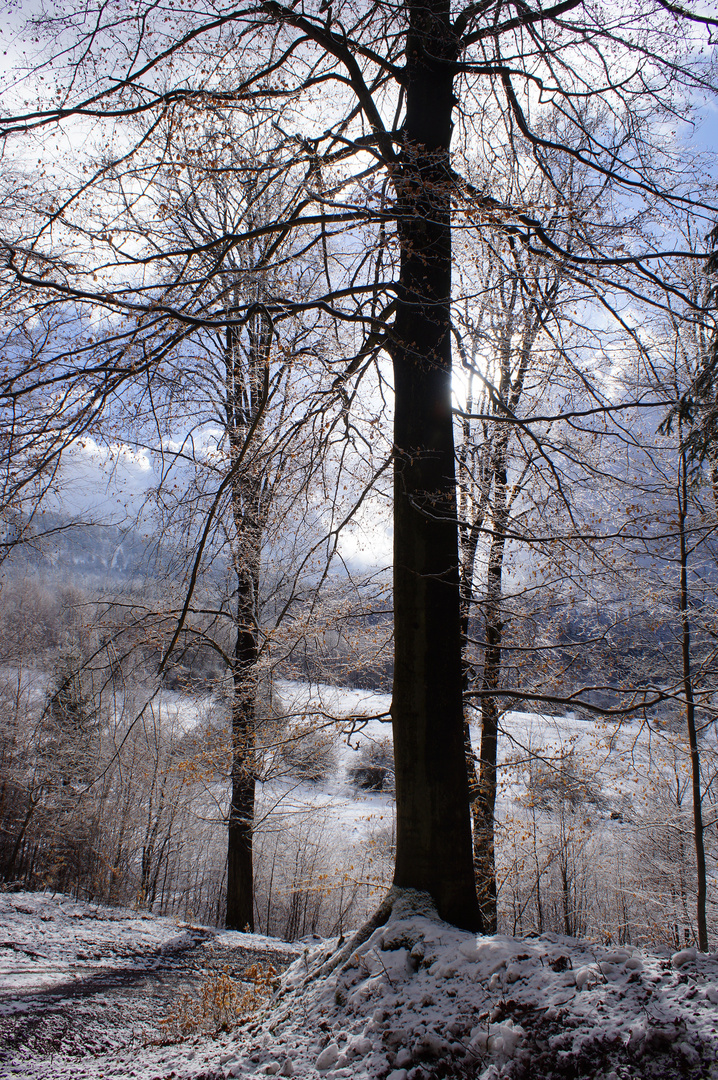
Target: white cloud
x=108, y=483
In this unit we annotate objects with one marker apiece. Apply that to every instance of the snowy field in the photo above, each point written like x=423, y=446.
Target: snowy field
x=350, y=719
x=417, y=999
x=617, y=762
x=618, y=754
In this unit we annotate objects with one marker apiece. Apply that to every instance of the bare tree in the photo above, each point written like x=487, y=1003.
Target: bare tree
x=380, y=170
x=517, y=345
x=679, y=547
x=253, y=428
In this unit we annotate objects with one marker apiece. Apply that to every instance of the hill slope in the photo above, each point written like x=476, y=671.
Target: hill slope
x=415, y=999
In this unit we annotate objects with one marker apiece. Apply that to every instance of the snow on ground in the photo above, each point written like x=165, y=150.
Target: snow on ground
x=610, y=749
x=615, y=756
x=417, y=999
x=179, y=712
x=351, y=719
x=361, y=716
x=339, y=701
x=89, y=991
x=47, y=940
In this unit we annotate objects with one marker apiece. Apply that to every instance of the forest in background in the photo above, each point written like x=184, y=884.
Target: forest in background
x=115, y=783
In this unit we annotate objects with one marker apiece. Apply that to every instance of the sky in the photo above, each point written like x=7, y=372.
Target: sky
x=111, y=484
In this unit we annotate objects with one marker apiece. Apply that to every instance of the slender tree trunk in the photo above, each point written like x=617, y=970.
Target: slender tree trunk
x=468, y=561
x=568, y=924
x=433, y=850
x=484, y=806
x=698, y=829
x=537, y=864
x=9, y=868
x=467, y=669
x=493, y=474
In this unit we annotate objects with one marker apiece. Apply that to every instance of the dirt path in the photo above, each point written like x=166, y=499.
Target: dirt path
x=115, y=1009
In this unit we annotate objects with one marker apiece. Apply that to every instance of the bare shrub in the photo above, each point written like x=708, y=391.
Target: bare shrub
x=563, y=779
x=309, y=753
x=374, y=767
x=220, y=1003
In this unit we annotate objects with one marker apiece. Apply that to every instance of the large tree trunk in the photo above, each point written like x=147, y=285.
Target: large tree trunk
x=433, y=825
x=240, y=874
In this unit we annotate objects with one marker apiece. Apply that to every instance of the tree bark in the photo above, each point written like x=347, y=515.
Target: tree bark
x=484, y=806
x=494, y=498
x=433, y=826
x=243, y=405
x=698, y=828
x=240, y=872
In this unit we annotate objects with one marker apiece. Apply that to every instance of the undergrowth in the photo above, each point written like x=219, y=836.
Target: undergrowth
x=219, y=1003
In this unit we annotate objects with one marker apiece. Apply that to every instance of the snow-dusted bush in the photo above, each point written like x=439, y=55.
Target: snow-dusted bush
x=219, y=1003
x=373, y=769
x=309, y=879
x=309, y=753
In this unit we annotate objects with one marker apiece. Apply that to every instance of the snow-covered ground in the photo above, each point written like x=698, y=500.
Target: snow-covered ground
x=614, y=760
x=334, y=701
x=416, y=999
x=48, y=940
x=617, y=754
x=351, y=719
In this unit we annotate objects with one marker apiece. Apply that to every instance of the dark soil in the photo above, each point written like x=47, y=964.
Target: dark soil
x=120, y=1006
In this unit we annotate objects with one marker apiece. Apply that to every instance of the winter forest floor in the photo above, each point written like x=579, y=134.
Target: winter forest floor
x=93, y=992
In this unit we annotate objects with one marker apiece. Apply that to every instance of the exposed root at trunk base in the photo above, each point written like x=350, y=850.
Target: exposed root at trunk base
x=402, y=902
